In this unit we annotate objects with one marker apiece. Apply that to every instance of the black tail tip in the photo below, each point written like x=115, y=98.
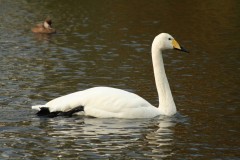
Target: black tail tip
x=44, y=112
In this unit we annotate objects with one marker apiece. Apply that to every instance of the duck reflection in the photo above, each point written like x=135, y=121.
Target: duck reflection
x=43, y=37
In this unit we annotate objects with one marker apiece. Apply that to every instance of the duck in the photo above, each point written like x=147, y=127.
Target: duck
x=108, y=102
x=44, y=27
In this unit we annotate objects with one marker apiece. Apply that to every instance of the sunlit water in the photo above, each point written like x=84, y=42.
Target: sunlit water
x=107, y=43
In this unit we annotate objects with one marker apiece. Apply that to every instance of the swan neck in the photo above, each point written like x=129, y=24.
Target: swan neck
x=166, y=102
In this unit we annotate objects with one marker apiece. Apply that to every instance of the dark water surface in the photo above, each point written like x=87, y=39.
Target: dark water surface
x=107, y=43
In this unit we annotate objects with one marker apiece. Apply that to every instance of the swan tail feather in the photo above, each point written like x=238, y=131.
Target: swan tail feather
x=45, y=112
x=38, y=107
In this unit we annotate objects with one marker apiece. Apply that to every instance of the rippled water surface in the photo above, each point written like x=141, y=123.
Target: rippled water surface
x=107, y=43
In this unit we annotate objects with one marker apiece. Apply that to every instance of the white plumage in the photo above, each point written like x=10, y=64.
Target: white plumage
x=106, y=102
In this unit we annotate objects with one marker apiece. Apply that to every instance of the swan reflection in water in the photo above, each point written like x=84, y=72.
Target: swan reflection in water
x=111, y=136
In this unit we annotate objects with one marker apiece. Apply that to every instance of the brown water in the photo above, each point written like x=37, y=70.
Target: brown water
x=107, y=43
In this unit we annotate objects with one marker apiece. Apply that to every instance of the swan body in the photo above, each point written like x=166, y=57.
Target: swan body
x=106, y=102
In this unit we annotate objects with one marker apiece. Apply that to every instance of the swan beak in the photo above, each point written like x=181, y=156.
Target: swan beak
x=178, y=47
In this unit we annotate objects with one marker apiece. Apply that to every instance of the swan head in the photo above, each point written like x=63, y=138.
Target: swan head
x=165, y=41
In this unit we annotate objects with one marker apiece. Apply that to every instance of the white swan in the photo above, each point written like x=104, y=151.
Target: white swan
x=106, y=102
